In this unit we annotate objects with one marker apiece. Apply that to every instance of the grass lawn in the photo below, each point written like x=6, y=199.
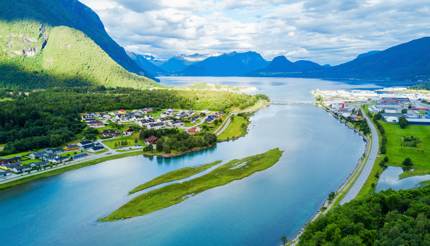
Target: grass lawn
x=29, y=161
x=120, y=142
x=179, y=174
x=237, y=128
x=20, y=154
x=176, y=193
x=397, y=151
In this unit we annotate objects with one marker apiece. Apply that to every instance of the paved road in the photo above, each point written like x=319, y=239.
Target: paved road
x=358, y=184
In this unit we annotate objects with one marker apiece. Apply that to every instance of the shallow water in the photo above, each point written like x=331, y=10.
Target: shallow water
x=319, y=154
x=389, y=179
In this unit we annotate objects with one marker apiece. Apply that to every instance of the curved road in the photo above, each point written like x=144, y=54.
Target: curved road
x=358, y=184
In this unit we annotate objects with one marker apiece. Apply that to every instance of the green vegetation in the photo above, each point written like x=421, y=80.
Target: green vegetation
x=63, y=169
x=50, y=118
x=125, y=141
x=67, y=58
x=175, y=141
x=412, y=142
x=405, y=147
x=179, y=174
x=236, y=129
x=176, y=193
x=386, y=218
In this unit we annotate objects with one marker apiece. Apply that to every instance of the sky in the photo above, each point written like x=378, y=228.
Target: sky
x=325, y=31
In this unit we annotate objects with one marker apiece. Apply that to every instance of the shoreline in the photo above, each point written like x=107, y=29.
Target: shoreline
x=345, y=187
x=60, y=169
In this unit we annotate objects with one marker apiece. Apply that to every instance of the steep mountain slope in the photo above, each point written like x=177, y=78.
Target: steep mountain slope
x=231, y=64
x=34, y=55
x=407, y=62
x=69, y=13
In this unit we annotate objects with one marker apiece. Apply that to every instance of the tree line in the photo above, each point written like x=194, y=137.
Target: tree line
x=386, y=218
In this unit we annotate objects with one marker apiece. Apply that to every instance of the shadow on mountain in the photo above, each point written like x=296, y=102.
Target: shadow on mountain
x=71, y=13
x=14, y=76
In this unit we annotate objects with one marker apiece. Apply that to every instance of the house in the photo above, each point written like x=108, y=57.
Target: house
x=151, y=140
x=128, y=132
x=85, y=142
x=3, y=173
x=71, y=147
x=79, y=156
x=97, y=147
x=110, y=133
x=41, y=164
x=391, y=118
x=193, y=130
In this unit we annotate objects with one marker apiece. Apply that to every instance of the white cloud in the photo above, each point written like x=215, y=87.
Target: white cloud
x=328, y=31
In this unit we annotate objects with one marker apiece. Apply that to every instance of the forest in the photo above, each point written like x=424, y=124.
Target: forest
x=174, y=140
x=49, y=118
x=386, y=218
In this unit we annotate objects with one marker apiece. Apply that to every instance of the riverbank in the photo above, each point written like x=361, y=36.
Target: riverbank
x=170, y=195
x=176, y=175
x=62, y=169
x=25, y=178
x=352, y=178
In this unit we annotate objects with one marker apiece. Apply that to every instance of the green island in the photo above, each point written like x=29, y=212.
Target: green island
x=179, y=174
x=237, y=128
x=176, y=193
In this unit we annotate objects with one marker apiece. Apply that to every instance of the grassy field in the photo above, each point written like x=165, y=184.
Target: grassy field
x=398, y=149
x=179, y=174
x=124, y=141
x=237, y=128
x=176, y=193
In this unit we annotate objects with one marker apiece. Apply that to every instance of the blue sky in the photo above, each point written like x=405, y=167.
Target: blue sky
x=331, y=31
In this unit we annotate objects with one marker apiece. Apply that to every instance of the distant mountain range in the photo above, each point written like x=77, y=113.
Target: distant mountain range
x=405, y=62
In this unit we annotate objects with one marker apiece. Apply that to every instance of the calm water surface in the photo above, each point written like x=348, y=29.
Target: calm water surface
x=389, y=179
x=319, y=155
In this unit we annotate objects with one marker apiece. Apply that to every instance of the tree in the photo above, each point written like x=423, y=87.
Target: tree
x=407, y=162
x=331, y=196
x=403, y=122
x=284, y=240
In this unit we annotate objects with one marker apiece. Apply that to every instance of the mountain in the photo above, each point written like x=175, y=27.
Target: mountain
x=175, y=65
x=231, y=64
x=44, y=43
x=405, y=62
x=281, y=66
x=71, y=13
x=142, y=61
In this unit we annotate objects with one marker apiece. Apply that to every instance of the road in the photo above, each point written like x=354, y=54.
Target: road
x=358, y=184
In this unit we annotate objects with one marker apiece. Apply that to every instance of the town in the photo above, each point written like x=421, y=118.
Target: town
x=114, y=132
x=393, y=104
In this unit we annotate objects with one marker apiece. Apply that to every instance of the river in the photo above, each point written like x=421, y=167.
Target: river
x=319, y=155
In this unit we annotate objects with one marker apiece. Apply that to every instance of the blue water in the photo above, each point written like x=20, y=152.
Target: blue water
x=389, y=179
x=319, y=155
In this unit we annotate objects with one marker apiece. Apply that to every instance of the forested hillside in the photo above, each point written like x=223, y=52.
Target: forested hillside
x=387, y=218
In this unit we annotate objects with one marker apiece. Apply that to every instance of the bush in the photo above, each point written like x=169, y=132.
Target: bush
x=403, y=123
x=407, y=162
